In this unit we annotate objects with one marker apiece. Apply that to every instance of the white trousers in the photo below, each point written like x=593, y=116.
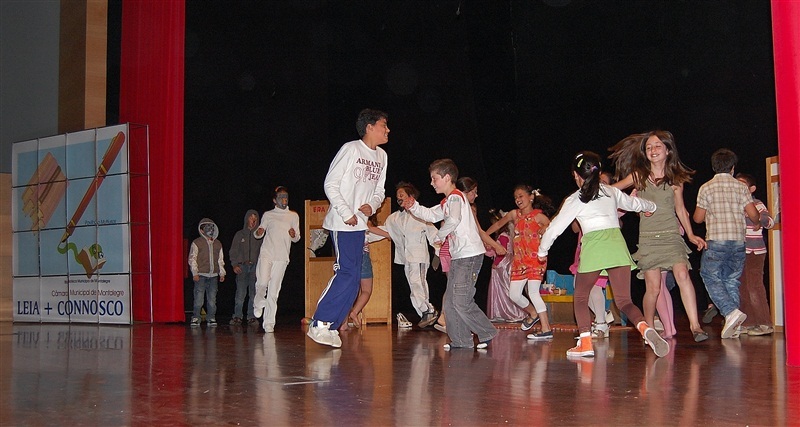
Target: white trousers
x=269, y=276
x=420, y=295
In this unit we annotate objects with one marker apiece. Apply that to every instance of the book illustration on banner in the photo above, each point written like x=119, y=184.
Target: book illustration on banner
x=45, y=190
x=91, y=257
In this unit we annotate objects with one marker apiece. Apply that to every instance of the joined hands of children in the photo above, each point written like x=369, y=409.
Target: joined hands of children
x=366, y=210
x=292, y=233
x=699, y=242
x=409, y=202
x=635, y=193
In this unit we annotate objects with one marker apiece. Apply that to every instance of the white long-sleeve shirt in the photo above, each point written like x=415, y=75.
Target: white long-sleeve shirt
x=459, y=224
x=411, y=237
x=596, y=215
x=277, y=242
x=356, y=176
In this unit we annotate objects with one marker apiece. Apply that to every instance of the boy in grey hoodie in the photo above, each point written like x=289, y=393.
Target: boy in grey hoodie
x=244, y=257
x=207, y=265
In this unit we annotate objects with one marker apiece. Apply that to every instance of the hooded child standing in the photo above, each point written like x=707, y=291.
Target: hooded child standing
x=207, y=264
x=244, y=258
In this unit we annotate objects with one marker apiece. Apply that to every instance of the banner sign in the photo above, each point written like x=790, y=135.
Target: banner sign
x=71, y=228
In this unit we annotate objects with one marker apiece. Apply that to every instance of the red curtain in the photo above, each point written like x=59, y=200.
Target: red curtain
x=786, y=46
x=151, y=93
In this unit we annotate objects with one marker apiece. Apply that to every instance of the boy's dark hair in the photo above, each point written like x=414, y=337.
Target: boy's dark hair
x=723, y=160
x=587, y=165
x=466, y=184
x=749, y=179
x=408, y=188
x=366, y=117
x=445, y=167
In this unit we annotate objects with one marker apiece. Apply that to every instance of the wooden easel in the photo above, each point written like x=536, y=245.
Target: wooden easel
x=774, y=242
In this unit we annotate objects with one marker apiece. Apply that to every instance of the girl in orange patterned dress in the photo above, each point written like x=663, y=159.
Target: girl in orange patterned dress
x=526, y=268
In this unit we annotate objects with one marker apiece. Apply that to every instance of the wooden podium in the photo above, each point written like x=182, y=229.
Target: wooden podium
x=319, y=270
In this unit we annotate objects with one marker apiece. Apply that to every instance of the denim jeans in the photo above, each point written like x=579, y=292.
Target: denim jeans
x=206, y=286
x=464, y=317
x=721, y=267
x=245, y=285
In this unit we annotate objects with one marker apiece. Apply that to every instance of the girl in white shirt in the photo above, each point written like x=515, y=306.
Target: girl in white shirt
x=602, y=249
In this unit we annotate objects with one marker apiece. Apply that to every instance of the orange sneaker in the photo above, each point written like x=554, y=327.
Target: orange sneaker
x=583, y=349
x=653, y=339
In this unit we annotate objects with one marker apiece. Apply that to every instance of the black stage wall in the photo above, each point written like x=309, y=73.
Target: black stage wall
x=509, y=89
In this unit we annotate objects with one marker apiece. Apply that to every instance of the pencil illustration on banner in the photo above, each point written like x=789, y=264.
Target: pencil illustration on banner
x=91, y=257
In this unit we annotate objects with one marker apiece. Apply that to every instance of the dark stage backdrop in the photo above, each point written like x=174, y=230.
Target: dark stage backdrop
x=509, y=89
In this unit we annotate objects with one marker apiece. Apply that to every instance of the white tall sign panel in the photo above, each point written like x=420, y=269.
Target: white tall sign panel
x=71, y=224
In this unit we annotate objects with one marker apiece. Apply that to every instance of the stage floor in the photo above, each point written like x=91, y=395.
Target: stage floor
x=173, y=374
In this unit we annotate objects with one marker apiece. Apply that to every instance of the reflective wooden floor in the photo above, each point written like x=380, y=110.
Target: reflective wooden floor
x=177, y=375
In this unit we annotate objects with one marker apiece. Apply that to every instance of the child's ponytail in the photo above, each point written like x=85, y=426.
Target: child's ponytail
x=587, y=166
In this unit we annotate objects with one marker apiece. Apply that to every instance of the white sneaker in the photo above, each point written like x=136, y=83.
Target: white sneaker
x=600, y=330
x=760, y=330
x=322, y=334
x=258, y=311
x=733, y=320
x=336, y=341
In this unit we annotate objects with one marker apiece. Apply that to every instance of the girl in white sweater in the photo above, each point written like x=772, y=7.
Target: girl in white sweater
x=602, y=249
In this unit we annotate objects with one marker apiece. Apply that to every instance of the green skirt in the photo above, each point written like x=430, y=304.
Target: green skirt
x=604, y=249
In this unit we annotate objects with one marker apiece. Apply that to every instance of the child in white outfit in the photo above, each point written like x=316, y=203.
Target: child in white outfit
x=411, y=237
x=464, y=317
